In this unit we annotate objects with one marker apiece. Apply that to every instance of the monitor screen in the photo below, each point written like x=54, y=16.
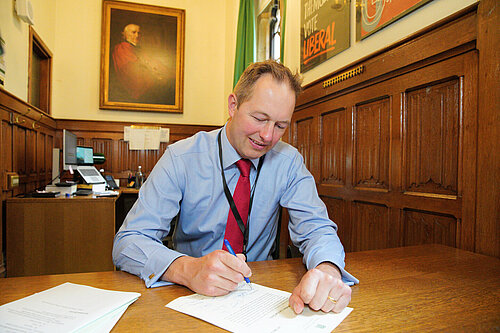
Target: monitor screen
x=84, y=155
x=69, y=149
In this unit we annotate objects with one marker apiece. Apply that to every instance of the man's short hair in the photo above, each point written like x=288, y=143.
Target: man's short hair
x=244, y=88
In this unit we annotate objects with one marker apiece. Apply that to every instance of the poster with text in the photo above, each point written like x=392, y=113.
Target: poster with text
x=373, y=15
x=324, y=31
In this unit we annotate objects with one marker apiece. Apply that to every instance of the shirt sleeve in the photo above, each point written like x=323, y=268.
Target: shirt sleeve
x=138, y=247
x=310, y=228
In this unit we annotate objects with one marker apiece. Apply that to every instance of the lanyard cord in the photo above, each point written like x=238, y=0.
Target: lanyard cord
x=239, y=220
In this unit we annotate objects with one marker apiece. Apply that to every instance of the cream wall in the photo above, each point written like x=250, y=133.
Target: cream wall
x=72, y=31
x=16, y=35
x=422, y=17
x=76, y=68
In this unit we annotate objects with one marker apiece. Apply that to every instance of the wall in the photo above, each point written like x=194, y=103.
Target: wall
x=72, y=31
x=16, y=34
x=422, y=17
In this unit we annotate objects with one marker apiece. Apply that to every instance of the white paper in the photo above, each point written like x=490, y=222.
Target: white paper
x=145, y=138
x=164, y=134
x=66, y=308
x=260, y=309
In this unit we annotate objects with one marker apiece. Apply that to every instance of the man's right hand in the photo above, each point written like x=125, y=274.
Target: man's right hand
x=215, y=274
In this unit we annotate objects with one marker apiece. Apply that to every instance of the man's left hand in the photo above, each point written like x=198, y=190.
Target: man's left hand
x=322, y=289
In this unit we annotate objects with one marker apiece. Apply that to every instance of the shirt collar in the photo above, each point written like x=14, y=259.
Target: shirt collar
x=229, y=154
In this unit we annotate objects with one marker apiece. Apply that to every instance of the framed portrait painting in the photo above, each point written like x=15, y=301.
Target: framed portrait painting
x=142, y=57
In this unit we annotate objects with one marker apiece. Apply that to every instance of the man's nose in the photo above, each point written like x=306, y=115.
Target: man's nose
x=267, y=131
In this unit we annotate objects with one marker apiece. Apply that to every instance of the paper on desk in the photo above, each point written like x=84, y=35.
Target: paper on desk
x=260, y=309
x=66, y=308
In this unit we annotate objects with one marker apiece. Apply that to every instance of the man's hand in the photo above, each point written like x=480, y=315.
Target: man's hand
x=215, y=274
x=316, y=286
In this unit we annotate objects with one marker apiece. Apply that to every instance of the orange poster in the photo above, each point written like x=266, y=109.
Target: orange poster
x=373, y=15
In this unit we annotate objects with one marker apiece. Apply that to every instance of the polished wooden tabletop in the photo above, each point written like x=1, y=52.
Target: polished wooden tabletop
x=410, y=289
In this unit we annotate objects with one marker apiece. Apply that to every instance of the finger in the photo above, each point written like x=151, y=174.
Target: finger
x=329, y=304
x=308, y=285
x=323, y=290
x=295, y=301
x=341, y=294
x=214, y=290
x=341, y=304
x=236, y=263
x=241, y=256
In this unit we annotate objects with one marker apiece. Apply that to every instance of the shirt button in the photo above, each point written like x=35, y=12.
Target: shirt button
x=152, y=276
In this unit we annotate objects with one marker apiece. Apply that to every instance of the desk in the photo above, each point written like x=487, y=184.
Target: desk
x=62, y=235
x=413, y=289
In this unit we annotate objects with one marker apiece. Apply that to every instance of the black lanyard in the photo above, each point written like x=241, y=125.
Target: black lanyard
x=239, y=220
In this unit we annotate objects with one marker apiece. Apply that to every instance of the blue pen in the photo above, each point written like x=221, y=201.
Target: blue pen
x=230, y=249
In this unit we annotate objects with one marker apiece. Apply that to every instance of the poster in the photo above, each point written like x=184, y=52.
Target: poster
x=373, y=15
x=324, y=30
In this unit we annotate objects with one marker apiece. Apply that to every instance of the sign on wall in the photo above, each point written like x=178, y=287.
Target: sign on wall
x=324, y=30
x=373, y=15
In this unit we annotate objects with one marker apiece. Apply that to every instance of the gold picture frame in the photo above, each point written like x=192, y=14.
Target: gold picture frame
x=142, y=57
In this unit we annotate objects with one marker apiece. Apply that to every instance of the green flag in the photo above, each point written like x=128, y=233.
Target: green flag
x=245, y=39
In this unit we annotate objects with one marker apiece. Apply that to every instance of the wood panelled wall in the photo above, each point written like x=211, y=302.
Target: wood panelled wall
x=107, y=138
x=28, y=137
x=394, y=150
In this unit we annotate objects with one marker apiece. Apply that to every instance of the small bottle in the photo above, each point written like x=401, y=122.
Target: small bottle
x=139, y=178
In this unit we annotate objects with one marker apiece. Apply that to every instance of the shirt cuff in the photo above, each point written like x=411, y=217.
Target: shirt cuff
x=156, y=266
x=347, y=277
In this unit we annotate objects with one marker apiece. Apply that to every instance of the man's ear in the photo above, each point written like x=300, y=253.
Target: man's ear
x=232, y=104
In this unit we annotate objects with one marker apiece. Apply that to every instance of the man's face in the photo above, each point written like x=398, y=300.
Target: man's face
x=132, y=33
x=258, y=124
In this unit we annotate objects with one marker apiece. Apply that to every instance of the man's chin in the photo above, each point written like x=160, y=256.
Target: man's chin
x=253, y=154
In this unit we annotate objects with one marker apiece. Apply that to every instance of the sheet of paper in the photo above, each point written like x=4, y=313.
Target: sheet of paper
x=260, y=309
x=143, y=138
x=164, y=134
x=65, y=308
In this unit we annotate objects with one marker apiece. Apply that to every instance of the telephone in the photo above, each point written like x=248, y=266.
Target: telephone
x=111, y=182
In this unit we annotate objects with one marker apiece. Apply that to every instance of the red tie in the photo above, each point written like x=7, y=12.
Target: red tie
x=241, y=199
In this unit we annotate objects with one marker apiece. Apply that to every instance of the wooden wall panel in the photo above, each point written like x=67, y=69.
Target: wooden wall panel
x=372, y=144
x=27, y=138
x=432, y=138
x=333, y=147
x=107, y=138
x=410, y=141
x=371, y=227
x=337, y=211
x=305, y=138
x=427, y=228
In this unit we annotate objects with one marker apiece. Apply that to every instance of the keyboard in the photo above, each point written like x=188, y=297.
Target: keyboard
x=82, y=192
x=89, y=172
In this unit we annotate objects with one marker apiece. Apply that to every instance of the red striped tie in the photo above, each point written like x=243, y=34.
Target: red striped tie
x=241, y=199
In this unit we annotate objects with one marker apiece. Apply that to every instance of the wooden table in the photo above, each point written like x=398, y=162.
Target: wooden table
x=413, y=289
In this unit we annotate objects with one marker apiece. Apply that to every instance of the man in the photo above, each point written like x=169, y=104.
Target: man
x=188, y=181
x=137, y=75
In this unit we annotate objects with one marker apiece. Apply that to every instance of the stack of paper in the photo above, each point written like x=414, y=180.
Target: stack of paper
x=66, y=308
x=259, y=309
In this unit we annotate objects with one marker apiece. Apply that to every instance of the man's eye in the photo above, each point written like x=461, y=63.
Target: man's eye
x=259, y=119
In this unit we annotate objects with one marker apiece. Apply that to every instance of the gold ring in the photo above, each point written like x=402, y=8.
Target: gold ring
x=331, y=299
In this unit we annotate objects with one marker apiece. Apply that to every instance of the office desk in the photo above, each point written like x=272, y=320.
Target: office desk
x=62, y=235
x=413, y=289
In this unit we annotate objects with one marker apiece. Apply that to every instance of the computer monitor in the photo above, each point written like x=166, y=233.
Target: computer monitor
x=84, y=155
x=69, y=149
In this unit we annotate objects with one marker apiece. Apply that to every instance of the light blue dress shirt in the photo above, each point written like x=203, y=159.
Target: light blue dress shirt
x=187, y=180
